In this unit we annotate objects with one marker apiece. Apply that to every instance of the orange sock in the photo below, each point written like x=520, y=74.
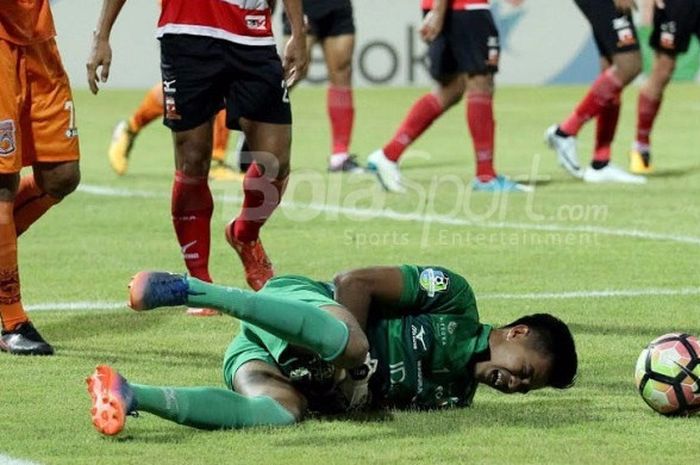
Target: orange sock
x=11, y=311
x=151, y=108
x=221, y=134
x=30, y=204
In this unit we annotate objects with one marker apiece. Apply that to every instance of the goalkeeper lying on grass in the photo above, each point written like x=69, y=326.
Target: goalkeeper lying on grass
x=405, y=337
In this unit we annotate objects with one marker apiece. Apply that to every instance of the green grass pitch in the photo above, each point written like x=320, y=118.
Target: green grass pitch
x=567, y=237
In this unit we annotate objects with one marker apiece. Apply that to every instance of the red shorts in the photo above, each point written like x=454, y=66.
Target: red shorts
x=37, y=117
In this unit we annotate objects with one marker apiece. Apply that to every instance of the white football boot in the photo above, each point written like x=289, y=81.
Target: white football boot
x=387, y=171
x=565, y=147
x=611, y=174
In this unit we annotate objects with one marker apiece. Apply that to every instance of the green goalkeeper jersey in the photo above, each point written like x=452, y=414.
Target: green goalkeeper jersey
x=425, y=359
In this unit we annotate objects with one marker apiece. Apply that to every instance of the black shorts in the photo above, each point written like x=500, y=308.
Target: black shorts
x=614, y=32
x=675, y=25
x=327, y=18
x=202, y=75
x=467, y=44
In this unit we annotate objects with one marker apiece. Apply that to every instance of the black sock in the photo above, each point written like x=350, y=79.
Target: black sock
x=561, y=133
x=599, y=165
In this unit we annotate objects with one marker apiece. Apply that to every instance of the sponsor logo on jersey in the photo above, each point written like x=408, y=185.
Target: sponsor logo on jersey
x=418, y=335
x=494, y=51
x=433, y=281
x=171, y=109
x=169, y=86
x=625, y=34
x=7, y=137
x=667, y=38
x=256, y=22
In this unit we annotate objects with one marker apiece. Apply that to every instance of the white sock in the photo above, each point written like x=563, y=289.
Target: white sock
x=337, y=159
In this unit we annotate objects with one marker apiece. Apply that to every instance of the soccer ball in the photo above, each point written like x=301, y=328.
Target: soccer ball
x=668, y=374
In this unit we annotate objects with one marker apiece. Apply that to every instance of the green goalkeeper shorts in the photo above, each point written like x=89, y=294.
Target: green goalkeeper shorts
x=253, y=343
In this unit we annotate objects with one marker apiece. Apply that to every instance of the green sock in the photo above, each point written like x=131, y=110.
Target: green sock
x=210, y=408
x=297, y=322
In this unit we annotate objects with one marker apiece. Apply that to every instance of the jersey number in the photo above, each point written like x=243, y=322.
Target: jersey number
x=285, y=90
x=72, y=130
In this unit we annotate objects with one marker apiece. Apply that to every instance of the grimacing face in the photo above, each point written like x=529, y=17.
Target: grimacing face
x=514, y=366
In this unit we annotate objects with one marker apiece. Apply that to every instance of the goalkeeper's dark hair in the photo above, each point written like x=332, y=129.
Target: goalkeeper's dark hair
x=553, y=337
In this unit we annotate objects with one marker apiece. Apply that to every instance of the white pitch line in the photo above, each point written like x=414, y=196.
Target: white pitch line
x=602, y=294
x=7, y=460
x=653, y=292
x=67, y=306
x=421, y=218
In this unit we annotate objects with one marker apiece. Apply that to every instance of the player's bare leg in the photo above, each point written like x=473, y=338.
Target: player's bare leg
x=262, y=397
x=192, y=203
x=648, y=105
x=338, y=52
x=622, y=69
x=482, y=128
x=22, y=202
x=220, y=170
x=330, y=331
x=385, y=161
x=125, y=132
x=263, y=186
x=602, y=102
x=259, y=379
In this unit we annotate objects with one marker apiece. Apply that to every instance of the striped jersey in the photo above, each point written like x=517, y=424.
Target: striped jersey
x=246, y=22
x=459, y=4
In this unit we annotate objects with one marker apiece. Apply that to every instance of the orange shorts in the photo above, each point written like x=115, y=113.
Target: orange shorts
x=37, y=117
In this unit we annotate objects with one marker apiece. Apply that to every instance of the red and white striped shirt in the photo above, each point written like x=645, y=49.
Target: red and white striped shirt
x=246, y=22
x=459, y=4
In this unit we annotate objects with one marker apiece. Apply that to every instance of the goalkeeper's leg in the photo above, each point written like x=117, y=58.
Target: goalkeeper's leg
x=264, y=397
x=331, y=331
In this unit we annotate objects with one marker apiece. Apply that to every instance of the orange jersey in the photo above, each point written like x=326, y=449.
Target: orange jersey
x=26, y=22
x=37, y=118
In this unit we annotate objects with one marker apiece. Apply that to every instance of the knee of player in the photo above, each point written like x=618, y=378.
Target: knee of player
x=341, y=75
x=629, y=69
x=293, y=409
x=664, y=68
x=63, y=185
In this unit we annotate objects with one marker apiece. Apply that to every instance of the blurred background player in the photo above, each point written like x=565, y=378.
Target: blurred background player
x=37, y=129
x=151, y=107
x=221, y=54
x=329, y=23
x=621, y=62
x=675, y=22
x=464, y=54
x=404, y=337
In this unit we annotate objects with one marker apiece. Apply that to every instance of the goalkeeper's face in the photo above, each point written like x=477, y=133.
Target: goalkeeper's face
x=515, y=364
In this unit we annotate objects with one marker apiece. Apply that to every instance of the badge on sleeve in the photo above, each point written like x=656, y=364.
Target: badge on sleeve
x=434, y=281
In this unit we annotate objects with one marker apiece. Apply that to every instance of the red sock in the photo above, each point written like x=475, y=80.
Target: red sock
x=604, y=90
x=30, y=204
x=606, y=125
x=11, y=311
x=419, y=118
x=342, y=115
x=192, y=207
x=647, y=109
x=482, y=127
x=261, y=197
x=151, y=107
